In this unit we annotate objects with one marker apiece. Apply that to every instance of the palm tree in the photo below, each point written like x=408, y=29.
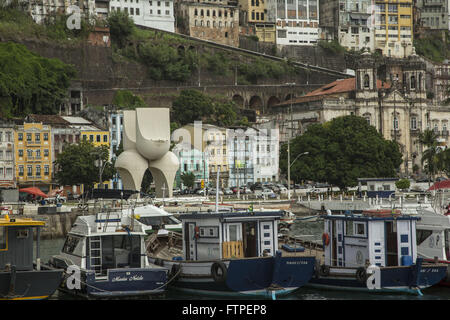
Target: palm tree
x=430, y=156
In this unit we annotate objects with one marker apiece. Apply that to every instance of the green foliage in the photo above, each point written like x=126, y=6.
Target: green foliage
x=192, y=105
x=432, y=46
x=121, y=27
x=125, y=99
x=165, y=63
x=30, y=83
x=403, y=184
x=340, y=152
x=188, y=179
x=262, y=69
x=333, y=46
x=77, y=164
x=217, y=63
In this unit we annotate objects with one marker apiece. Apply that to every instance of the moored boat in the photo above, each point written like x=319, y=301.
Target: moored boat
x=20, y=277
x=232, y=253
x=374, y=251
x=104, y=257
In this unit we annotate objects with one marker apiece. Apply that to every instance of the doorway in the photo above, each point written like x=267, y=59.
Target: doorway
x=250, y=244
x=391, y=244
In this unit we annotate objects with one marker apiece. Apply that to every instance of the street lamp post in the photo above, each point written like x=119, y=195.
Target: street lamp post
x=289, y=171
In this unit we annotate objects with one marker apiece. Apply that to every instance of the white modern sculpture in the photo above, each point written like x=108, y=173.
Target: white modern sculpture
x=146, y=143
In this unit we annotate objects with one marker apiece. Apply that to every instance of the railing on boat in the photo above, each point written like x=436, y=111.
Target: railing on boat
x=232, y=249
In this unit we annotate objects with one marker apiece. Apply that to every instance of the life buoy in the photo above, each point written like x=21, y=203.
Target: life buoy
x=326, y=239
x=215, y=274
x=361, y=275
x=324, y=270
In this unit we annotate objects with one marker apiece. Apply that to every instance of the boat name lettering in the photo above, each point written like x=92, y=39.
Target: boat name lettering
x=297, y=262
x=132, y=278
x=429, y=270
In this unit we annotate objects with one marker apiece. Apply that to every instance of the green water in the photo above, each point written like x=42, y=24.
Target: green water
x=308, y=230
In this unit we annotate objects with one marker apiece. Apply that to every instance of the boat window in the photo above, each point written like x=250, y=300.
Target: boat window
x=3, y=235
x=151, y=221
x=349, y=228
x=233, y=233
x=70, y=244
x=121, y=251
x=422, y=235
x=168, y=220
x=359, y=228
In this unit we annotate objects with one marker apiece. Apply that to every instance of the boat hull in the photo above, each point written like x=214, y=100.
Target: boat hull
x=263, y=277
x=31, y=284
x=392, y=279
x=118, y=283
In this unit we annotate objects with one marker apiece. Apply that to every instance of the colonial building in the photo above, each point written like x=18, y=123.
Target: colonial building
x=215, y=21
x=7, y=175
x=193, y=161
x=40, y=10
x=433, y=14
x=33, y=156
x=154, y=14
x=391, y=97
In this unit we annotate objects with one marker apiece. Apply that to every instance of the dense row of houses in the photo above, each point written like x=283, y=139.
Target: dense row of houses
x=384, y=25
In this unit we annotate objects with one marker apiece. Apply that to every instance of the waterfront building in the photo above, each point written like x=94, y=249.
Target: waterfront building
x=116, y=141
x=33, y=156
x=191, y=160
x=253, y=155
x=7, y=175
x=153, y=14
x=215, y=21
x=390, y=96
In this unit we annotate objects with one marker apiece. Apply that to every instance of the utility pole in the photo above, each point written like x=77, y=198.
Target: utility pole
x=289, y=144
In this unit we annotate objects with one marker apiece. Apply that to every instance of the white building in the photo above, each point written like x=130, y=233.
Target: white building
x=115, y=124
x=297, y=22
x=148, y=13
x=253, y=156
x=7, y=179
x=41, y=9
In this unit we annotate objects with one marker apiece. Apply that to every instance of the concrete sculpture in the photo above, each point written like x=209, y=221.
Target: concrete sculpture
x=146, y=143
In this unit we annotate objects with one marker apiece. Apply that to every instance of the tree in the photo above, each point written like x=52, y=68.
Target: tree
x=77, y=164
x=30, y=83
x=188, y=179
x=430, y=157
x=121, y=27
x=341, y=151
x=146, y=181
x=403, y=184
x=125, y=99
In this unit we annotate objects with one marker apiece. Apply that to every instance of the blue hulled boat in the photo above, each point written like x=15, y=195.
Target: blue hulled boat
x=104, y=257
x=374, y=251
x=232, y=253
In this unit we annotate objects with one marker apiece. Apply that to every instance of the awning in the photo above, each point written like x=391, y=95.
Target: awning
x=440, y=185
x=35, y=191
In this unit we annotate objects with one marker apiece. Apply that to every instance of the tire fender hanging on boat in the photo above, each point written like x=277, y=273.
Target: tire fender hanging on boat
x=361, y=275
x=215, y=267
x=324, y=270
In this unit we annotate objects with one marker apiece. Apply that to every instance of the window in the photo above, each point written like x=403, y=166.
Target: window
x=91, y=138
x=30, y=171
x=20, y=152
x=366, y=81
x=167, y=13
x=28, y=137
x=359, y=228
x=20, y=170
x=105, y=138
x=422, y=235
x=38, y=170
x=395, y=123
x=38, y=154
x=413, y=123
x=45, y=136
x=349, y=228
x=46, y=170
x=20, y=136
x=70, y=244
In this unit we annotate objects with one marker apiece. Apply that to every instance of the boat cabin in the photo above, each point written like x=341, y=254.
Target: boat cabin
x=224, y=235
x=16, y=242
x=105, y=241
x=374, y=237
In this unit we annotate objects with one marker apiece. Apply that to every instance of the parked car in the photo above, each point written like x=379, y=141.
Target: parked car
x=268, y=193
x=228, y=191
x=176, y=191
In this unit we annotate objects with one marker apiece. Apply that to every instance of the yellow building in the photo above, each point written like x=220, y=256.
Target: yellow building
x=266, y=32
x=394, y=27
x=254, y=10
x=33, y=146
x=99, y=138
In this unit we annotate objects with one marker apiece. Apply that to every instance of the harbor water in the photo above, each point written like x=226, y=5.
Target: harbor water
x=308, y=231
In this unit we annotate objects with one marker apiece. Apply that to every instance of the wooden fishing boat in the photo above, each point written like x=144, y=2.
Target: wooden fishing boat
x=231, y=253
x=20, y=277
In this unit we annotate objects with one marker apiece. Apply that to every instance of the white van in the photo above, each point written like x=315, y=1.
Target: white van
x=155, y=218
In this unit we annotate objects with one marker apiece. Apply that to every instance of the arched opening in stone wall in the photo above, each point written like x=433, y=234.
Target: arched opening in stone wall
x=256, y=103
x=238, y=100
x=272, y=101
x=181, y=50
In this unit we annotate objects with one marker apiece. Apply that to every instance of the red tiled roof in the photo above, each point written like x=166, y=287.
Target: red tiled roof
x=335, y=87
x=48, y=119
